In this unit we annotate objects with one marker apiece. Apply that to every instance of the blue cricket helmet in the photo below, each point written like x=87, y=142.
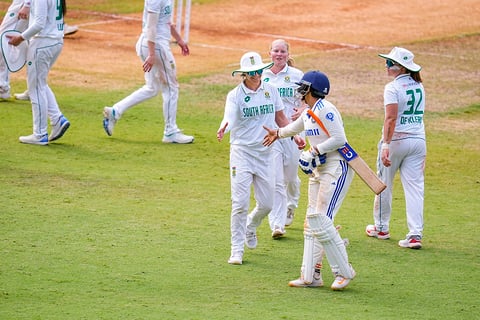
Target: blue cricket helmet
x=316, y=81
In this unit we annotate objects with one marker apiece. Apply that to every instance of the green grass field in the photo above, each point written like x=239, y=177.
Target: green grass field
x=125, y=227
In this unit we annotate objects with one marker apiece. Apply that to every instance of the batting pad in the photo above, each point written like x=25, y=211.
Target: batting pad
x=15, y=56
x=322, y=227
x=307, y=263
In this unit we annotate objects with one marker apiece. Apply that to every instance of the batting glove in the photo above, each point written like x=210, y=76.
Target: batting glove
x=310, y=159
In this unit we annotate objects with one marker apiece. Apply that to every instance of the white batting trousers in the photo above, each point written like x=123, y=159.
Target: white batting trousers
x=329, y=187
x=162, y=78
x=408, y=155
x=249, y=167
x=41, y=55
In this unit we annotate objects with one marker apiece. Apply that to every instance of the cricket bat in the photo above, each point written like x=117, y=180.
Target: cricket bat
x=362, y=169
x=358, y=165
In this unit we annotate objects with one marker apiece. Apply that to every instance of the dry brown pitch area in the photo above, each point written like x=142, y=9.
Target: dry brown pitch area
x=341, y=38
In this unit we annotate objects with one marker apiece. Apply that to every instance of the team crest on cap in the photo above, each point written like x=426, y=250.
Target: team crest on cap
x=252, y=60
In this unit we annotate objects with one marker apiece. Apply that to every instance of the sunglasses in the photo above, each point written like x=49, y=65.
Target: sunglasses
x=389, y=63
x=253, y=73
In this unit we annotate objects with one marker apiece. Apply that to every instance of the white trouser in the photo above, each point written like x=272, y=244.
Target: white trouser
x=287, y=182
x=249, y=168
x=162, y=78
x=10, y=22
x=41, y=55
x=407, y=153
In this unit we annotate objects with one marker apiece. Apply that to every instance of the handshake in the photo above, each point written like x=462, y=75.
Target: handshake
x=311, y=159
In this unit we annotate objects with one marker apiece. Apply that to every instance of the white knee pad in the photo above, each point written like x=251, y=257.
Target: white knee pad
x=323, y=229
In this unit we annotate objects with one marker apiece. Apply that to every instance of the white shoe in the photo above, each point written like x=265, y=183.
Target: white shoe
x=372, y=231
x=278, y=233
x=290, y=215
x=251, y=240
x=33, y=139
x=68, y=29
x=236, y=258
x=412, y=242
x=177, y=137
x=341, y=282
x=109, y=120
x=299, y=283
x=24, y=96
x=59, y=129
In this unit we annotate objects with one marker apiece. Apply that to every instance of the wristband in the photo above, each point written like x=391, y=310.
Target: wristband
x=385, y=146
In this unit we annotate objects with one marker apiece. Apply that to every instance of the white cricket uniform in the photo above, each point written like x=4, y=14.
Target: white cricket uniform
x=407, y=153
x=11, y=22
x=286, y=152
x=328, y=188
x=163, y=75
x=251, y=163
x=45, y=36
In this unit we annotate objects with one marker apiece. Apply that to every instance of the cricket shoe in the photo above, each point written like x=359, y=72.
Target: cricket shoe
x=33, y=139
x=177, y=137
x=236, y=258
x=24, y=96
x=109, y=120
x=341, y=282
x=68, y=29
x=412, y=242
x=59, y=129
x=290, y=216
x=278, y=233
x=300, y=283
x=371, y=231
x=251, y=240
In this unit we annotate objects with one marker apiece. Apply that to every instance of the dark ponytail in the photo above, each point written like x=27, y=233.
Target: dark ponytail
x=416, y=76
x=64, y=7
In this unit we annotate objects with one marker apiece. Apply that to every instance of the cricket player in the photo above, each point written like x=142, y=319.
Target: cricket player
x=330, y=179
x=45, y=36
x=153, y=47
x=284, y=76
x=249, y=106
x=402, y=148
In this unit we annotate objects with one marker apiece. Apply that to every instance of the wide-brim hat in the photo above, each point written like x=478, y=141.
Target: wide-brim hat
x=252, y=61
x=14, y=56
x=403, y=57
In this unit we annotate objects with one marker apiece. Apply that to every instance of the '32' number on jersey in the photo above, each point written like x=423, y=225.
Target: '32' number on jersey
x=415, y=101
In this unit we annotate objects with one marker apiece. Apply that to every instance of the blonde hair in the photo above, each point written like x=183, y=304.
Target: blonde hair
x=290, y=60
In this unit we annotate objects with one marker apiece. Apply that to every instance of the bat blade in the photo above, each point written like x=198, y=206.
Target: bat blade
x=362, y=169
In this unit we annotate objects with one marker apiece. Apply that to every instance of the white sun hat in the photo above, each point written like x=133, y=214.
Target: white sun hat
x=252, y=61
x=14, y=56
x=403, y=57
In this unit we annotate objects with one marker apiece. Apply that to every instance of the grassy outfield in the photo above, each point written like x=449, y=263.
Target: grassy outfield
x=125, y=227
